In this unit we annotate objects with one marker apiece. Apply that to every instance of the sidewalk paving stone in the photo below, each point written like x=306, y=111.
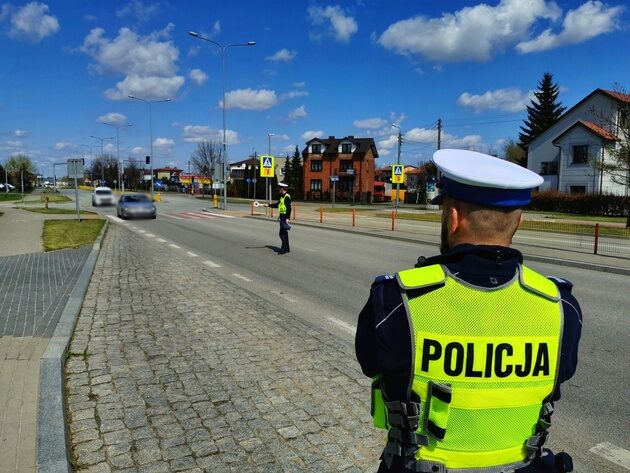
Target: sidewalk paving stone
x=172, y=373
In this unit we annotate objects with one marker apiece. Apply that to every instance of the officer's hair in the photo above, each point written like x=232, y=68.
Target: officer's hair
x=487, y=222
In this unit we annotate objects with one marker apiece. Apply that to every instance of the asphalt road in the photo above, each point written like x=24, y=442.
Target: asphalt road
x=325, y=280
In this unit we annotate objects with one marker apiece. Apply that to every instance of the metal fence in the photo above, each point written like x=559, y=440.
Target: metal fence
x=587, y=237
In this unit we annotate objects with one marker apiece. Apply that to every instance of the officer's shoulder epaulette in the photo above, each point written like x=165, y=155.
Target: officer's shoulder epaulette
x=383, y=278
x=562, y=283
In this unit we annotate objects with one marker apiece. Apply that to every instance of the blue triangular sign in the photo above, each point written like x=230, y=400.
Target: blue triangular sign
x=267, y=162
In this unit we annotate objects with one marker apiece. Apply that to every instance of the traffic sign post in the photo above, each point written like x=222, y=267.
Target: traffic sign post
x=267, y=168
x=75, y=169
x=398, y=177
x=334, y=180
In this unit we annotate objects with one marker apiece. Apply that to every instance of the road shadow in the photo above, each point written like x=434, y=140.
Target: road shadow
x=271, y=247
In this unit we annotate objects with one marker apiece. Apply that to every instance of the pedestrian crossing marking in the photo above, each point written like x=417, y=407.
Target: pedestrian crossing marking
x=267, y=162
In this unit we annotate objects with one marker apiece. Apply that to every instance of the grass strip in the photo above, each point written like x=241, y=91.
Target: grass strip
x=57, y=211
x=4, y=197
x=60, y=234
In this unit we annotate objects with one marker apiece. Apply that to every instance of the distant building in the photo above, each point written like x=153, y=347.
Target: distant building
x=564, y=153
x=168, y=173
x=241, y=170
x=349, y=160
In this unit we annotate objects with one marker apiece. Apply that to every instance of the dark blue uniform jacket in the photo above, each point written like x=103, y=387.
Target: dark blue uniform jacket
x=383, y=342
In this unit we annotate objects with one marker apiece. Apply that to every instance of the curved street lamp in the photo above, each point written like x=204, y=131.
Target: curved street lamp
x=223, y=48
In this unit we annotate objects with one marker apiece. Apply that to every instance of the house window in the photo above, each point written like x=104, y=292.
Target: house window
x=577, y=189
x=346, y=147
x=549, y=167
x=316, y=184
x=316, y=149
x=316, y=165
x=345, y=164
x=580, y=154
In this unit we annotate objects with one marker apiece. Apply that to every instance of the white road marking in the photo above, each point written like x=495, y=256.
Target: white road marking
x=142, y=231
x=284, y=296
x=132, y=227
x=219, y=215
x=236, y=275
x=351, y=329
x=199, y=215
x=211, y=264
x=191, y=254
x=174, y=216
x=161, y=240
x=613, y=453
x=150, y=235
x=173, y=245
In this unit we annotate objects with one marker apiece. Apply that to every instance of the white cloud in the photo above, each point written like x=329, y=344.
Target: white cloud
x=15, y=143
x=293, y=94
x=331, y=21
x=138, y=10
x=388, y=143
x=198, y=76
x=589, y=20
x=138, y=151
x=109, y=148
x=370, y=123
x=114, y=118
x=249, y=99
x=31, y=22
x=299, y=85
x=163, y=143
x=297, y=113
x=509, y=99
x=470, y=34
x=62, y=145
x=148, y=62
x=283, y=55
x=309, y=135
x=197, y=133
x=20, y=133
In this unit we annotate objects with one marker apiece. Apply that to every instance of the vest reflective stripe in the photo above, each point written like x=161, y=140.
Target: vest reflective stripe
x=496, y=349
x=282, y=208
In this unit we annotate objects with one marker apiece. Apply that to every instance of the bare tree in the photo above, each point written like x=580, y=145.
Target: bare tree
x=206, y=158
x=617, y=166
x=133, y=174
x=105, y=167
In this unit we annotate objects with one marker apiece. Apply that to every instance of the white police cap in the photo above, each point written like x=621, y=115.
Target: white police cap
x=482, y=179
x=282, y=184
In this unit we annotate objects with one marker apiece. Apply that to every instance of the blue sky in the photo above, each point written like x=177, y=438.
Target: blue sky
x=318, y=68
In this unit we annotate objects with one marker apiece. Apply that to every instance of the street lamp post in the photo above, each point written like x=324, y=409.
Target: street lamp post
x=267, y=184
x=102, y=154
x=118, y=163
x=223, y=48
x=150, y=103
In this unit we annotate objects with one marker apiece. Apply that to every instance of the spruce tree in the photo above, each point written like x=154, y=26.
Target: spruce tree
x=543, y=112
x=297, y=173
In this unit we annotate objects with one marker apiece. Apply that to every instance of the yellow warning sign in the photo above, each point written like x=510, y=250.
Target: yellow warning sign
x=267, y=166
x=398, y=174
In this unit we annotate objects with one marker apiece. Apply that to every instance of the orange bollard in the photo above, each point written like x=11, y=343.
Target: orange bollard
x=46, y=202
x=393, y=220
x=321, y=215
x=294, y=214
x=252, y=209
x=353, y=216
x=271, y=211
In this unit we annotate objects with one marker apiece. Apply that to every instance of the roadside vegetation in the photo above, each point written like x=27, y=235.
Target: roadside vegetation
x=57, y=211
x=61, y=234
x=7, y=197
x=52, y=198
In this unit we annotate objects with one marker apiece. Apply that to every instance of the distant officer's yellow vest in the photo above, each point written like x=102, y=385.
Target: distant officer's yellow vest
x=282, y=208
x=485, y=360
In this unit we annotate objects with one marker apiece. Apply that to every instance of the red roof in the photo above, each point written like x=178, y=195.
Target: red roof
x=590, y=126
x=618, y=95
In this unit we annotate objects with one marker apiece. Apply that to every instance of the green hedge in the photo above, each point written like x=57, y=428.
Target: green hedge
x=582, y=204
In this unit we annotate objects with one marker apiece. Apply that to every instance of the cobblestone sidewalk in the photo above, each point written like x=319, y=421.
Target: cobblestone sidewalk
x=172, y=368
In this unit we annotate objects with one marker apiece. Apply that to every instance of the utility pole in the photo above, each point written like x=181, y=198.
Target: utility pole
x=439, y=127
x=398, y=162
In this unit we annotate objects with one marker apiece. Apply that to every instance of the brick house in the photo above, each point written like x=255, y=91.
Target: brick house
x=351, y=159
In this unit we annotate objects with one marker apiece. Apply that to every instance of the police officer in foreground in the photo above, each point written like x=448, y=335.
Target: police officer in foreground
x=284, y=218
x=468, y=349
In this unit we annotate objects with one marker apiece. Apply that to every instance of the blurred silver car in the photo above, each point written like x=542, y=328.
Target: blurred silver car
x=135, y=206
x=103, y=196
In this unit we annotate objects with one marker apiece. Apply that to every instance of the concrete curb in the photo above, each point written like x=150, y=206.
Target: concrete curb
x=538, y=258
x=53, y=445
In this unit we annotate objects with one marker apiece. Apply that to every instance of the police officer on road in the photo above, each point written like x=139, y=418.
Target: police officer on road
x=468, y=349
x=284, y=209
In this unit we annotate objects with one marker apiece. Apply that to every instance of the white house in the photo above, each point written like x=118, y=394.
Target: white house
x=563, y=154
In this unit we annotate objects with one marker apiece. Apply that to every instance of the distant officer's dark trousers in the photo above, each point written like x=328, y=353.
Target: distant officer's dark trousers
x=284, y=233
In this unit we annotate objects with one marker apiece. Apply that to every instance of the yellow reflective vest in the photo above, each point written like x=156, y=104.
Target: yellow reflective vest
x=282, y=208
x=485, y=363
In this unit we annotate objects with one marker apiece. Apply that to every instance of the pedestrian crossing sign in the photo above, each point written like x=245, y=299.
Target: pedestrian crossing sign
x=398, y=174
x=267, y=166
